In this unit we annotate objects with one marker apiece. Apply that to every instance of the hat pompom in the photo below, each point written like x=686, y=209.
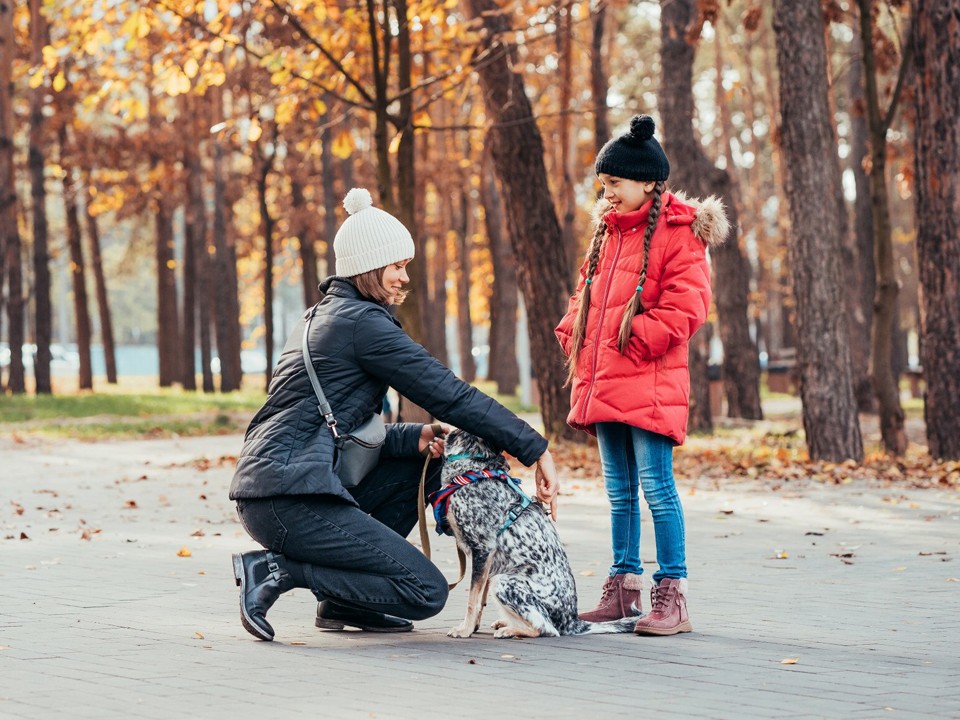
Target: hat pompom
x=641, y=127
x=356, y=200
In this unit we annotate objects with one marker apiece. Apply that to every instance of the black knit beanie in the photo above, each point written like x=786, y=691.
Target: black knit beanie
x=636, y=155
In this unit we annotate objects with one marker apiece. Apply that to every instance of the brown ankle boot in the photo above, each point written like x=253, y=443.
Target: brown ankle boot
x=620, y=599
x=669, y=613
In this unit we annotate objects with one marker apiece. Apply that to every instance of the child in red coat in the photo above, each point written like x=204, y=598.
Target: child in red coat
x=644, y=291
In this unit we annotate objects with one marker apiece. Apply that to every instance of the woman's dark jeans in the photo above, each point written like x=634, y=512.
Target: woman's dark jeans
x=357, y=556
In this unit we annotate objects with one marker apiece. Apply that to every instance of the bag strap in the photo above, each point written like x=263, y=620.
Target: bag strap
x=422, y=516
x=323, y=406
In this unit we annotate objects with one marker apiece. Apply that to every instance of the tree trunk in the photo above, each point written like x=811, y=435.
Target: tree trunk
x=741, y=362
x=266, y=229
x=810, y=160
x=503, y=366
x=599, y=84
x=468, y=368
x=566, y=139
x=330, y=199
x=100, y=284
x=858, y=263
x=226, y=304
x=39, y=37
x=191, y=236
x=693, y=172
x=81, y=306
x=301, y=221
x=884, y=314
x=936, y=44
x=9, y=233
x=543, y=259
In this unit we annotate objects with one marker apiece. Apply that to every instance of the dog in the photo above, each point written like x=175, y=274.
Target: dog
x=510, y=537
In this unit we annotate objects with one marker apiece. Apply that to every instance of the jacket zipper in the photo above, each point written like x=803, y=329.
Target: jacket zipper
x=603, y=308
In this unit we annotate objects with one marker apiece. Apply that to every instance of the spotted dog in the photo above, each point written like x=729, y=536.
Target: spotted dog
x=511, y=537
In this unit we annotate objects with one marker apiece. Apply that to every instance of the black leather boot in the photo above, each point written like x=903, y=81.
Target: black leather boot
x=262, y=580
x=332, y=615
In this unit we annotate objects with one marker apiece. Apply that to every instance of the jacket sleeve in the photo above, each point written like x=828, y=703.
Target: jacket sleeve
x=403, y=440
x=564, y=331
x=384, y=350
x=684, y=298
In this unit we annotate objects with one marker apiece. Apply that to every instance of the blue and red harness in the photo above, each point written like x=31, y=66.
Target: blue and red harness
x=441, y=498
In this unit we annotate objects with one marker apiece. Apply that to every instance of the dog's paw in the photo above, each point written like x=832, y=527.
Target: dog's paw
x=497, y=624
x=460, y=631
x=505, y=631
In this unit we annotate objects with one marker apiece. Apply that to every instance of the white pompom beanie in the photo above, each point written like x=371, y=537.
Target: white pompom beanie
x=369, y=238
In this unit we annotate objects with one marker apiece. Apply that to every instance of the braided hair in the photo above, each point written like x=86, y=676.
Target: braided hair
x=635, y=306
x=580, y=322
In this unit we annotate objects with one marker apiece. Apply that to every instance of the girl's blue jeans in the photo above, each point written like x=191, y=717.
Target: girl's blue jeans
x=632, y=459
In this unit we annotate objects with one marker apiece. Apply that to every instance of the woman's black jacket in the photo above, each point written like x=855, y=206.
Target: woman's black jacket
x=359, y=350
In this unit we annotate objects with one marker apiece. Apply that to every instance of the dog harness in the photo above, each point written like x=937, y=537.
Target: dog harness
x=441, y=498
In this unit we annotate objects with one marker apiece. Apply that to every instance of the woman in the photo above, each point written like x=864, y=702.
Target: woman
x=348, y=546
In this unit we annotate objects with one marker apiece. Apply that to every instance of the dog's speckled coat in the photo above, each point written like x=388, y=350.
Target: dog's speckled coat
x=535, y=585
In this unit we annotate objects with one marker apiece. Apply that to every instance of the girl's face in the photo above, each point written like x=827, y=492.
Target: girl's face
x=394, y=278
x=626, y=195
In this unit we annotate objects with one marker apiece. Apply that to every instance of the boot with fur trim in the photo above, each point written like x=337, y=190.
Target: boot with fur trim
x=620, y=599
x=668, y=616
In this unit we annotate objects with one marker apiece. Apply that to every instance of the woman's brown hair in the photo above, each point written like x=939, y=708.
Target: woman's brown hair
x=634, y=307
x=370, y=285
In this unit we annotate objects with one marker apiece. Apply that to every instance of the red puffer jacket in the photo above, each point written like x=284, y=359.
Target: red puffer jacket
x=648, y=386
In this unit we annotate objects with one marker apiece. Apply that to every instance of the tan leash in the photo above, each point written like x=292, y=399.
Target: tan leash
x=422, y=515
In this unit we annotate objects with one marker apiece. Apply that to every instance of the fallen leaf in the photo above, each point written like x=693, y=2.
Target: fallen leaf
x=201, y=572
x=184, y=552
x=297, y=642
x=900, y=568
x=17, y=507
x=789, y=661
x=471, y=661
x=781, y=555
x=130, y=504
x=199, y=635
x=953, y=579
x=924, y=553
x=507, y=657
x=587, y=573
x=24, y=536
x=197, y=533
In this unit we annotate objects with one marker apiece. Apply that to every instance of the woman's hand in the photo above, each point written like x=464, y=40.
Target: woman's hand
x=433, y=444
x=547, y=483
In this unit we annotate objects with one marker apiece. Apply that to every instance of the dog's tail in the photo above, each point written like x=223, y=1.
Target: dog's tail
x=624, y=625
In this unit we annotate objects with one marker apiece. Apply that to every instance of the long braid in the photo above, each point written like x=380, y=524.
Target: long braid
x=635, y=306
x=580, y=322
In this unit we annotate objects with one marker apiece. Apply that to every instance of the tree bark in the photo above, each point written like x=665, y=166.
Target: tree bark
x=43, y=315
x=460, y=224
x=226, y=303
x=10, y=244
x=100, y=285
x=862, y=284
x=330, y=199
x=543, y=259
x=884, y=309
x=266, y=157
x=81, y=306
x=300, y=218
x=936, y=43
x=599, y=84
x=503, y=366
x=810, y=160
x=693, y=172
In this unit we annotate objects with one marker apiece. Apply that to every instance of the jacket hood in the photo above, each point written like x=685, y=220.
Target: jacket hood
x=707, y=217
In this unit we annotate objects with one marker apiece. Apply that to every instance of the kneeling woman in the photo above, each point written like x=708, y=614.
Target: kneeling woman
x=347, y=545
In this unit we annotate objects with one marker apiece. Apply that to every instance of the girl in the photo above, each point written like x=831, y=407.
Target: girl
x=644, y=290
x=347, y=545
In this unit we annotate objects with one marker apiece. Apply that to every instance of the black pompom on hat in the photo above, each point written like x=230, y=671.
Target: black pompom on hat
x=635, y=155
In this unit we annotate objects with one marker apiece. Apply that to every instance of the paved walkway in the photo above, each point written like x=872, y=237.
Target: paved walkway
x=810, y=602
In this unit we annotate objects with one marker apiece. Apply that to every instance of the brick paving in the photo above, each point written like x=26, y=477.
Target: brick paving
x=101, y=618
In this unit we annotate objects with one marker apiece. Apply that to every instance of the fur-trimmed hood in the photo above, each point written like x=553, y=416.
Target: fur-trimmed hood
x=707, y=217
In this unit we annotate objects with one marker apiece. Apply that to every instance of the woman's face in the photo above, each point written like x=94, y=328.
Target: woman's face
x=394, y=278
x=626, y=195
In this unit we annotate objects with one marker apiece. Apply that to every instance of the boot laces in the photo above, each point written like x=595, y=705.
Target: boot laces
x=609, y=588
x=660, y=597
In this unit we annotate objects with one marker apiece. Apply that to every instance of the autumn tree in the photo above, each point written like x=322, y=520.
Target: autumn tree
x=936, y=42
x=517, y=152
x=10, y=245
x=885, y=304
x=693, y=172
x=810, y=159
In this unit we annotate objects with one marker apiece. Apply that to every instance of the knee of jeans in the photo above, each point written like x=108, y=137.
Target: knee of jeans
x=434, y=595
